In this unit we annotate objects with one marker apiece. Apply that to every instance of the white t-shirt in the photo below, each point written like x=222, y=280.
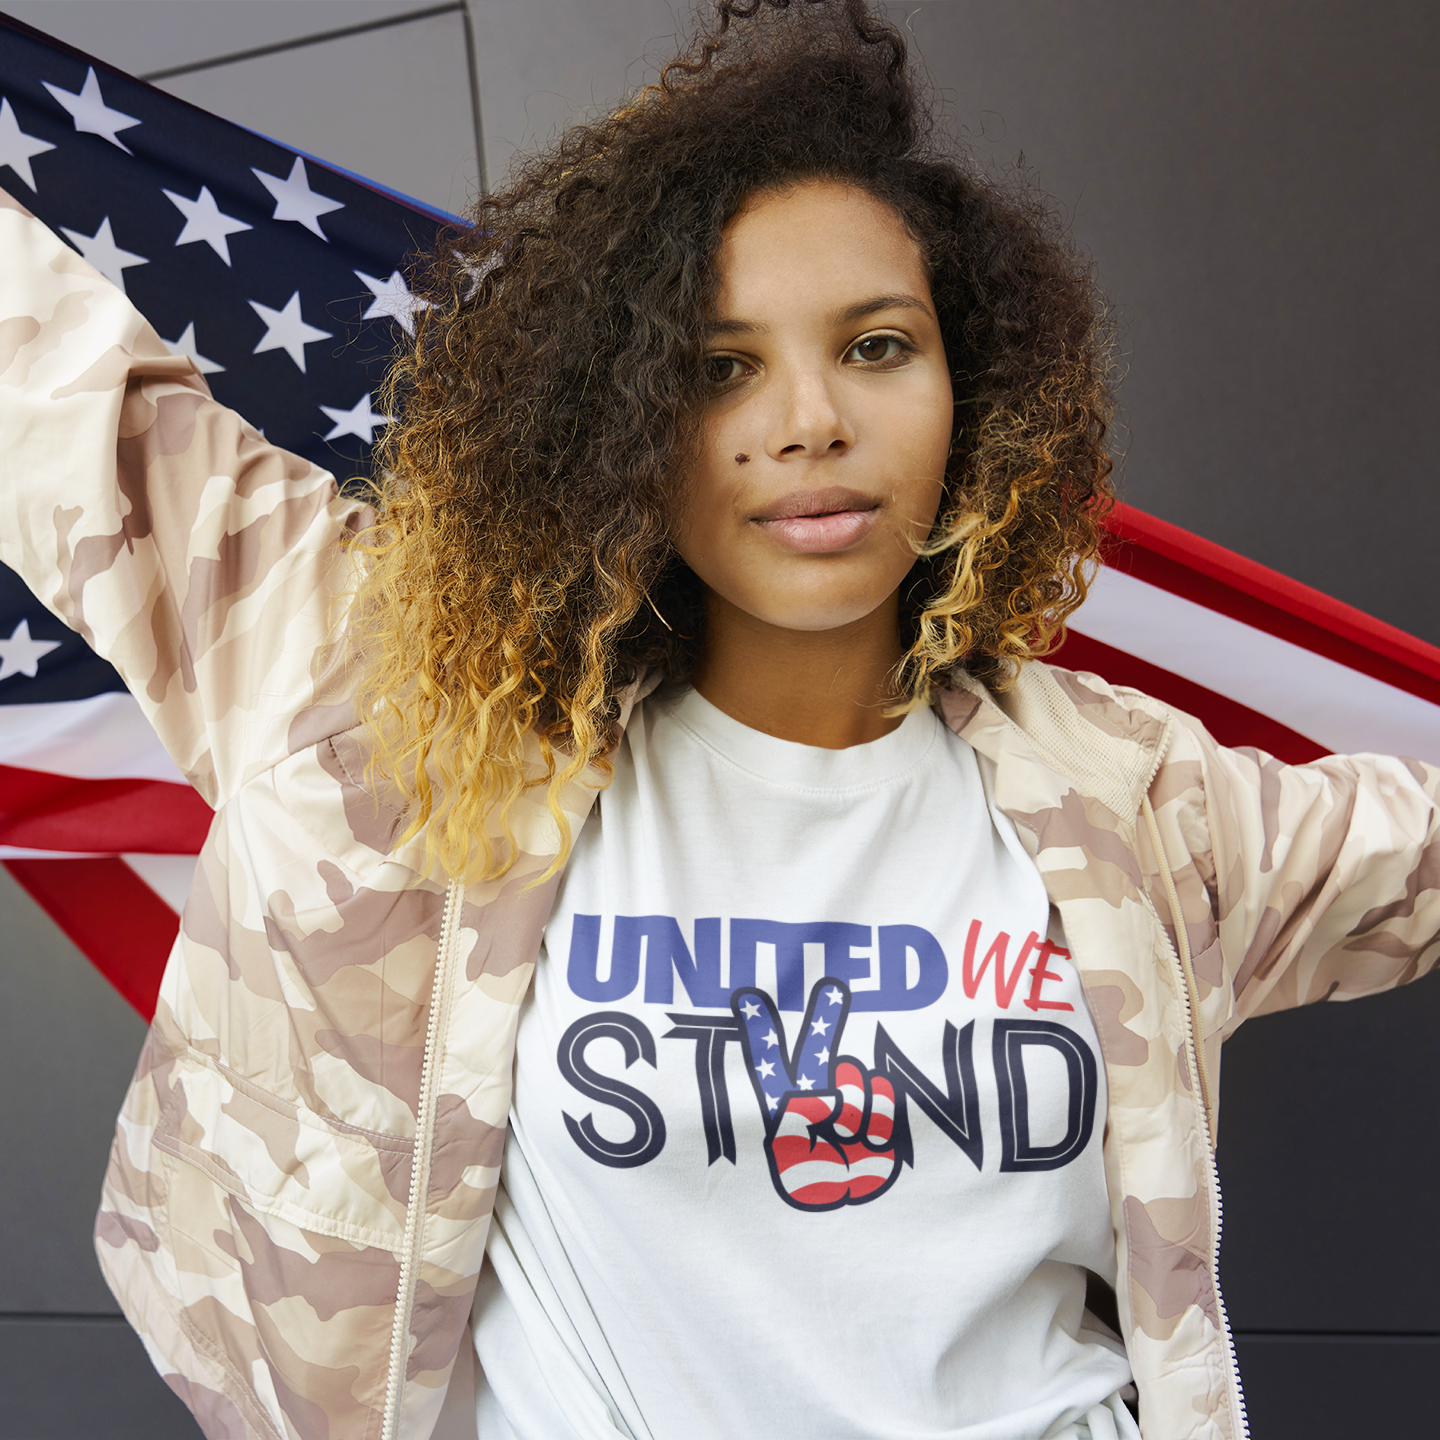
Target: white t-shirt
x=808, y=1113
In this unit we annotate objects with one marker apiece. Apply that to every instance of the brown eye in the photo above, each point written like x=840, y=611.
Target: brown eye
x=720, y=369
x=876, y=348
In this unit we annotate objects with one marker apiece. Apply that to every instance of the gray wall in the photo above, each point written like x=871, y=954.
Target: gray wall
x=1257, y=186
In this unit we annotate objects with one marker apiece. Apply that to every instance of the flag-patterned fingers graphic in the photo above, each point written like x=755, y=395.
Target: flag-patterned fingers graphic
x=773, y=1069
x=828, y=1120
x=856, y=1095
x=818, y=1161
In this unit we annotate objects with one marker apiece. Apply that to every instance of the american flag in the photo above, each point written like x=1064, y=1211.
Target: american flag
x=283, y=278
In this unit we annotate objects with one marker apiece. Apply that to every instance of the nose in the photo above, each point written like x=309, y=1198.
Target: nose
x=809, y=422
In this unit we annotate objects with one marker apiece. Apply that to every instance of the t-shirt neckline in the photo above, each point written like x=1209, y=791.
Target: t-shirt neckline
x=812, y=767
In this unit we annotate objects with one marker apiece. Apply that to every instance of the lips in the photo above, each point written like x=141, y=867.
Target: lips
x=819, y=521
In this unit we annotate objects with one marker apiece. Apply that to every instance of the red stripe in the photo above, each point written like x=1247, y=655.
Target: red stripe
x=1228, y=721
x=122, y=926
x=792, y=1150
x=823, y=1192
x=863, y=1185
x=1195, y=569
x=58, y=812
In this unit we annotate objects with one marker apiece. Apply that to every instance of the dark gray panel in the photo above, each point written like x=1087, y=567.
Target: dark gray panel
x=410, y=126
x=1327, y=1150
x=1338, y=1388
x=144, y=35
x=68, y=1044
x=542, y=64
x=1260, y=188
x=83, y=1379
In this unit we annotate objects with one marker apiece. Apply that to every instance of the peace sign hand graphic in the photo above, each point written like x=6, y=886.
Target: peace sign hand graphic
x=828, y=1120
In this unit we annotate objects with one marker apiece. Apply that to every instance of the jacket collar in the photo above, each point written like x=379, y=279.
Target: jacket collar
x=1104, y=743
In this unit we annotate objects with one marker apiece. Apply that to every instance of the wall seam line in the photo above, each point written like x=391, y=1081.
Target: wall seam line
x=235, y=57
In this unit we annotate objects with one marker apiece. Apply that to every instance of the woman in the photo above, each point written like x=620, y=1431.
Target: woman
x=649, y=853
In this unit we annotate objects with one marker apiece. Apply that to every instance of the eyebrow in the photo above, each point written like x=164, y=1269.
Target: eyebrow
x=880, y=302
x=846, y=316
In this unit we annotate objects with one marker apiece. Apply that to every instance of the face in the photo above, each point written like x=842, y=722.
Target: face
x=826, y=432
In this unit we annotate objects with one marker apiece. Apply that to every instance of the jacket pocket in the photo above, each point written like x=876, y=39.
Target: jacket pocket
x=280, y=1240
x=326, y=1177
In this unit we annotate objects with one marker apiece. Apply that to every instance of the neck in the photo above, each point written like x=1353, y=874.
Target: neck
x=827, y=688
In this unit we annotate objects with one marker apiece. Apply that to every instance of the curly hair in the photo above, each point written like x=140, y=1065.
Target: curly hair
x=521, y=558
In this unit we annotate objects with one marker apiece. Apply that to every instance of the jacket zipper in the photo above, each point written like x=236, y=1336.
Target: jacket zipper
x=1195, y=1052
x=420, y=1163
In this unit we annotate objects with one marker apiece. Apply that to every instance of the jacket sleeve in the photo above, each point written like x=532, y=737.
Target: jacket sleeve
x=201, y=561
x=1324, y=878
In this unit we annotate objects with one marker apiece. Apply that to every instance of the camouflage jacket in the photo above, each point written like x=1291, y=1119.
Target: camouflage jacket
x=298, y=1196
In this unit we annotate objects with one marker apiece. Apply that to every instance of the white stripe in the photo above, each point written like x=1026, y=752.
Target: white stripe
x=106, y=737
x=793, y=1125
x=824, y=1172
x=169, y=876
x=1337, y=707
x=24, y=852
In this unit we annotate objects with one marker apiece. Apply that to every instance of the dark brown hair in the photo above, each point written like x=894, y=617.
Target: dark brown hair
x=522, y=557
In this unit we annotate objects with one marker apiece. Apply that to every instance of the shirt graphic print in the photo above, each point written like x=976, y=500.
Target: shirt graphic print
x=806, y=1128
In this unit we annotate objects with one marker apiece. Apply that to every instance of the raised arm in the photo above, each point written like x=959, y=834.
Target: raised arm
x=1324, y=878
x=203, y=562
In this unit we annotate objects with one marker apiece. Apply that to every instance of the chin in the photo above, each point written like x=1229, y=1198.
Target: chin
x=816, y=615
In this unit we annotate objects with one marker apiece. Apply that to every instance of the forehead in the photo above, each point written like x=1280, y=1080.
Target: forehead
x=819, y=235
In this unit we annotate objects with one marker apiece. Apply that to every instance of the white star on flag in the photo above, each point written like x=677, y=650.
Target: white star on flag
x=772, y=1038
x=818, y=1027
x=91, y=114
x=765, y=1069
x=185, y=345
x=295, y=200
x=833, y=995
x=805, y=1083
x=17, y=148
x=392, y=298
x=771, y=1101
x=359, y=420
x=476, y=272
x=823, y=1055
x=749, y=1009
x=204, y=220
x=20, y=655
x=103, y=253
x=286, y=330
